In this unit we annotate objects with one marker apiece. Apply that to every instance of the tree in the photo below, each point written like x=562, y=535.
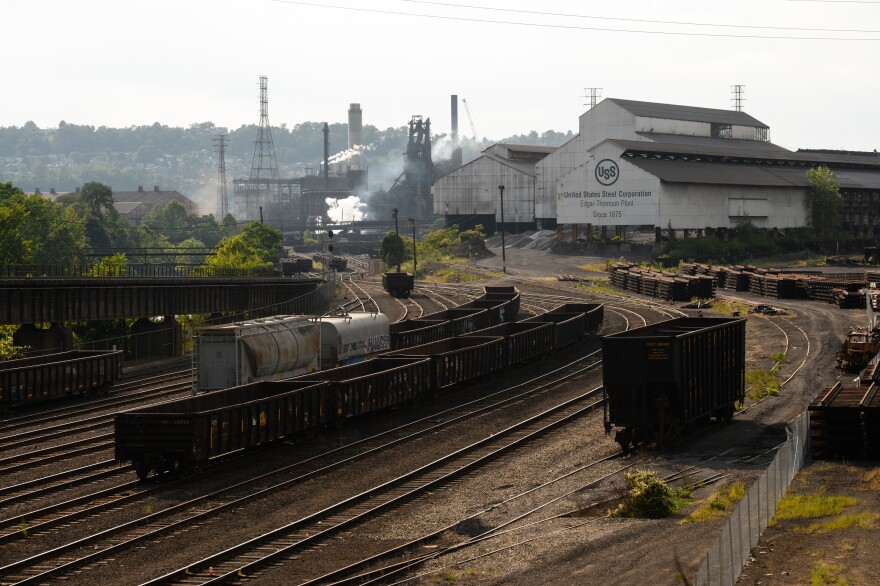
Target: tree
x=96, y=200
x=263, y=238
x=823, y=201
x=255, y=249
x=392, y=249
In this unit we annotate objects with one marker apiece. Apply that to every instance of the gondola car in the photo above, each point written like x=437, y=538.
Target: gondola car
x=664, y=377
x=398, y=284
x=54, y=376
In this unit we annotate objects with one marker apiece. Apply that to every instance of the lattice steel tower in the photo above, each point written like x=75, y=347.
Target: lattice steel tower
x=220, y=143
x=264, y=165
x=594, y=93
x=737, y=98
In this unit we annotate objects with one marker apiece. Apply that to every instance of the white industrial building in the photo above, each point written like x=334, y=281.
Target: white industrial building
x=645, y=164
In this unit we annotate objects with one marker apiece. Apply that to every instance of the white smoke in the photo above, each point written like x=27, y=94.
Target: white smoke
x=349, y=153
x=345, y=210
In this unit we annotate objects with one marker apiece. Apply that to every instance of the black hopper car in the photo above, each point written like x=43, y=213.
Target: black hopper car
x=55, y=376
x=185, y=434
x=334, y=263
x=663, y=378
x=295, y=265
x=398, y=284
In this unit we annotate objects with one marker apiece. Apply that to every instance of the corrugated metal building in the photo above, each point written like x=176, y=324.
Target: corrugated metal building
x=469, y=195
x=646, y=164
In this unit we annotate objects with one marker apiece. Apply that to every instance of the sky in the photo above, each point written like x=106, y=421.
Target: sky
x=809, y=67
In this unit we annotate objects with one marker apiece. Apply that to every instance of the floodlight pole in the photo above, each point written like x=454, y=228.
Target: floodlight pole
x=503, y=254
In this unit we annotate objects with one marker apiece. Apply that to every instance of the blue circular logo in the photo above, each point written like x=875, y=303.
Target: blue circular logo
x=607, y=172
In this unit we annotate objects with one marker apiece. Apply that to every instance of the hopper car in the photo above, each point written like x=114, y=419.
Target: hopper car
x=663, y=378
x=398, y=284
x=55, y=376
x=393, y=378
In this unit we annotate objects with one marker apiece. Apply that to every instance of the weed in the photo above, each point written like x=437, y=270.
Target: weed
x=720, y=504
x=648, y=497
x=730, y=307
x=863, y=520
x=780, y=357
x=763, y=383
x=872, y=478
x=811, y=506
x=825, y=574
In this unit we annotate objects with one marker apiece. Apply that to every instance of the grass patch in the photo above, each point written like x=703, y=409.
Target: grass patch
x=780, y=357
x=728, y=307
x=863, y=520
x=452, y=276
x=826, y=574
x=596, y=267
x=763, y=383
x=719, y=504
x=599, y=285
x=811, y=506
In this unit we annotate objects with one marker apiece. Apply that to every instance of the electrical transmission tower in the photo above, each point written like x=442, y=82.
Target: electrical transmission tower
x=737, y=98
x=594, y=93
x=220, y=143
x=264, y=165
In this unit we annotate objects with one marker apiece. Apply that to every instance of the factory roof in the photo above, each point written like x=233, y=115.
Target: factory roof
x=677, y=171
x=690, y=113
x=725, y=150
x=527, y=167
x=704, y=142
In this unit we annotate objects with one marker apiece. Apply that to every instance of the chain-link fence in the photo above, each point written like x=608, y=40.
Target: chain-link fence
x=728, y=555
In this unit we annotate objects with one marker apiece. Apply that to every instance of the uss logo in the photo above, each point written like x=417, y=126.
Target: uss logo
x=607, y=172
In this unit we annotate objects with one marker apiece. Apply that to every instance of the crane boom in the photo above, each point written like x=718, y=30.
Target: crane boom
x=471, y=122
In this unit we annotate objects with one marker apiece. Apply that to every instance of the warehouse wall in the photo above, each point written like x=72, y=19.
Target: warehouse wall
x=716, y=206
x=473, y=189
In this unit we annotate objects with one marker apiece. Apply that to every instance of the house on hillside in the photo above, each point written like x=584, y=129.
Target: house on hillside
x=134, y=205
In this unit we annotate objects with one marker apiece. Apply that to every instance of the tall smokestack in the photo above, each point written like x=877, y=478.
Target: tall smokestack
x=326, y=154
x=355, y=126
x=456, y=148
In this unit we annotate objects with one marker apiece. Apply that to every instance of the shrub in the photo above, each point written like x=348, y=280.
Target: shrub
x=648, y=497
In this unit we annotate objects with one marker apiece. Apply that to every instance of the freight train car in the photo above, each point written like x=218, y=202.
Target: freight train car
x=845, y=422
x=171, y=436
x=295, y=265
x=185, y=434
x=661, y=378
x=273, y=348
x=349, y=337
x=55, y=376
x=398, y=284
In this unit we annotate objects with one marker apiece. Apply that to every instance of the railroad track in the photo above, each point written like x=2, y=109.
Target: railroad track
x=245, y=559
x=48, y=564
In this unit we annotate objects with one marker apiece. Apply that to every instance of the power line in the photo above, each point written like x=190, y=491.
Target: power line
x=573, y=27
x=644, y=20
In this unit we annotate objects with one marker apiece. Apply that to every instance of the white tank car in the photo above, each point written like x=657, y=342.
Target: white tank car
x=271, y=348
x=351, y=337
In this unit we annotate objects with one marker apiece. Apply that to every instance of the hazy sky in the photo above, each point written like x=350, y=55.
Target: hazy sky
x=521, y=65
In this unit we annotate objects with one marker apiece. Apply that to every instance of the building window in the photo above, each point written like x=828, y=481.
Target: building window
x=722, y=130
x=762, y=134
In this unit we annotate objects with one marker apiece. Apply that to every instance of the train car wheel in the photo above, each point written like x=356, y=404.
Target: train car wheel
x=142, y=469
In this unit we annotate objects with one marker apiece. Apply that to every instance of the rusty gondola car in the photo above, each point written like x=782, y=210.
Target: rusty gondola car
x=183, y=435
x=664, y=377
x=55, y=376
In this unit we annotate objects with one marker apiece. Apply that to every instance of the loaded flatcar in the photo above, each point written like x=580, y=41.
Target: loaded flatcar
x=55, y=376
x=184, y=434
x=273, y=348
x=661, y=378
x=398, y=284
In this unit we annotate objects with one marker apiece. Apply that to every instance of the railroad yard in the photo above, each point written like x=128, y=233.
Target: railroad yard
x=502, y=481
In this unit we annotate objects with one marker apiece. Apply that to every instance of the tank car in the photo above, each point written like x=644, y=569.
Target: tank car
x=267, y=349
x=349, y=337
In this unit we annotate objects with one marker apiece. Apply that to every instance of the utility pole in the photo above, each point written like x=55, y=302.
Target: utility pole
x=413, y=222
x=503, y=254
x=397, y=233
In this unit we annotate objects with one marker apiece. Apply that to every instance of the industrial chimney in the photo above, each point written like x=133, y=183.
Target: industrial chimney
x=355, y=126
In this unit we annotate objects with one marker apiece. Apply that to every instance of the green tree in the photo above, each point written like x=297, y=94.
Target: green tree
x=823, y=201
x=392, y=250
x=111, y=266
x=263, y=238
x=96, y=200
